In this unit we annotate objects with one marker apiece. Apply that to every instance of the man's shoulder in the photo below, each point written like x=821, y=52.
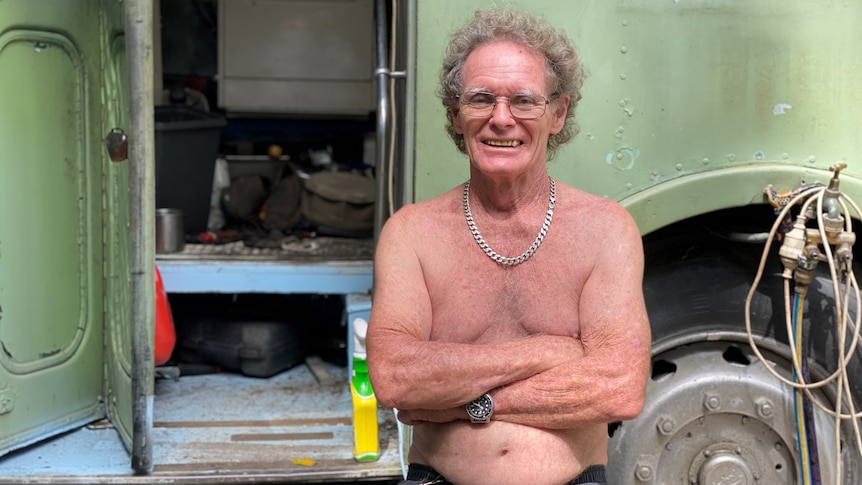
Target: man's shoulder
x=418, y=228
x=595, y=208
x=582, y=198
x=435, y=207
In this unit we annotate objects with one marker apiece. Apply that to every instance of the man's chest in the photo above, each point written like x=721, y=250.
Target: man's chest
x=481, y=302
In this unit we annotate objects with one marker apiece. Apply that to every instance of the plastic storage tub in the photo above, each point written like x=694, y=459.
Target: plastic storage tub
x=187, y=144
x=256, y=348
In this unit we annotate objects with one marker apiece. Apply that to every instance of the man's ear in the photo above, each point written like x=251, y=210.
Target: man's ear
x=456, y=121
x=559, y=108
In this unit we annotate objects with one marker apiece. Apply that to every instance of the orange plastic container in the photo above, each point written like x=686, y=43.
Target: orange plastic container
x=165, y=333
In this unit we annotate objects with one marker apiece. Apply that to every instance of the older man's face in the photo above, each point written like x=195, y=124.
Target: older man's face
x=500, y=144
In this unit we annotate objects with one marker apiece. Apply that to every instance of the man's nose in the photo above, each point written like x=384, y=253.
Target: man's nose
x=502, y=115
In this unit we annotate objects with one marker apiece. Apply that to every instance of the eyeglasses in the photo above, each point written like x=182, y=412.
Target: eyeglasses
x=522, y=106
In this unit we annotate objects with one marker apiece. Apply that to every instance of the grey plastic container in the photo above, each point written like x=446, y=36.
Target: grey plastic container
x=256, y=348
x=187, y=144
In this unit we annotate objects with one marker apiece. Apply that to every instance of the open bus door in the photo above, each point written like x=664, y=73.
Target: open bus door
x=66, y=258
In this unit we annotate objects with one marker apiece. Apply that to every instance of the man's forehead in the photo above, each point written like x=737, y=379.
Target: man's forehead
x=504, y=64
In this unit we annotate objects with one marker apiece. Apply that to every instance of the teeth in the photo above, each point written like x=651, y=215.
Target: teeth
x=503, y=143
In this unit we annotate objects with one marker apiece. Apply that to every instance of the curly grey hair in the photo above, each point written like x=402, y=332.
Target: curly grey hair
x=564, y=72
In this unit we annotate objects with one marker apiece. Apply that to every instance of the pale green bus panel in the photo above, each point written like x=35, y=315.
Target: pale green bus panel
x=681, y=95
x=52, y=216
x=116, y=234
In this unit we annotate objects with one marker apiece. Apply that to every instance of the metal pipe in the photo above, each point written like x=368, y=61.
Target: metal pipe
x=382, y=76
x=139, y=53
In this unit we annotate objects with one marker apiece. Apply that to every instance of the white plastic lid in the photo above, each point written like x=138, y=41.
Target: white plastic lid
x=360, y=329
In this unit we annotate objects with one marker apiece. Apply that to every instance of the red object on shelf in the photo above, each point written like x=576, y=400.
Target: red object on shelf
x=166, y=336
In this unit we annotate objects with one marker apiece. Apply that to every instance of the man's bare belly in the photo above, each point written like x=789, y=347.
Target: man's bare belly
x=507, y=454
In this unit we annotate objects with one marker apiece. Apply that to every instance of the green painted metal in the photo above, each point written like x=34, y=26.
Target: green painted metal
x=116, y=234
x=53, y=210
x=739, y=94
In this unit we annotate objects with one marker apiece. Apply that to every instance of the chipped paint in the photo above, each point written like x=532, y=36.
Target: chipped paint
x=780, y=108
x=617, y=159
x=624, y=105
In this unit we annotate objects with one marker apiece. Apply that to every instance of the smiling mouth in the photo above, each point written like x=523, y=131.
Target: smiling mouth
x=503, y=143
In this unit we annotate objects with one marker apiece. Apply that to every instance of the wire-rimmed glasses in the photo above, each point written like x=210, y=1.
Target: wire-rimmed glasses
x=522, y=106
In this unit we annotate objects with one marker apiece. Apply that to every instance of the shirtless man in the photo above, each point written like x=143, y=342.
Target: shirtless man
x=509, y=370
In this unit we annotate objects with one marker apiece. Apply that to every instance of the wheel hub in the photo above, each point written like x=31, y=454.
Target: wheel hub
x=721, y=466
x=714, y=416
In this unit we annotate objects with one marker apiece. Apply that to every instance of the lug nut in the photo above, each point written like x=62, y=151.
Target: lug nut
x=666, y=426
x=712, y=402
x=765, y=408
x=644, y=472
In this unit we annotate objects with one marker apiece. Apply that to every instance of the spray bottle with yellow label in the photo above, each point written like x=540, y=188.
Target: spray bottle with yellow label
x=366, y=445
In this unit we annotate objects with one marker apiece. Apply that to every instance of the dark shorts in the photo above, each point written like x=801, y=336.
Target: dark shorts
x=425, y=475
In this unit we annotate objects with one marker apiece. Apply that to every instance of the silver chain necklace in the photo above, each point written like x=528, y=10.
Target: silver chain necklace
x=532, y=249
